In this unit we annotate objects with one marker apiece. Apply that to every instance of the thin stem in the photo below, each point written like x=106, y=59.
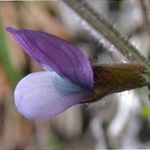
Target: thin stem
x=103, y=27
x=145, y=4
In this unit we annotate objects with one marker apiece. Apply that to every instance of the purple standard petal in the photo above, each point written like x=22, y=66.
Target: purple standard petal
x=45, y=94
x=59, y=55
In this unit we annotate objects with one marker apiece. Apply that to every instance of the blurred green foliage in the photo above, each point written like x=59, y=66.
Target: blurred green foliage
x=146, y=111
x=11, y=72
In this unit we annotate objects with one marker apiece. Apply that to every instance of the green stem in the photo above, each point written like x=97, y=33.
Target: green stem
x=103, y=27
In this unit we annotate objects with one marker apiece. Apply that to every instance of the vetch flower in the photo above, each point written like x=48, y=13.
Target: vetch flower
x=69, y=78
x=66, y=81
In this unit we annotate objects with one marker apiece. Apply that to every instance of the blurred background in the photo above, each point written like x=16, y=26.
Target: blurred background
x=118, y=121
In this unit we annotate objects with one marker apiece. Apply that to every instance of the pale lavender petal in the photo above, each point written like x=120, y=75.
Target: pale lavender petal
x=45, y=94
x=61, y=56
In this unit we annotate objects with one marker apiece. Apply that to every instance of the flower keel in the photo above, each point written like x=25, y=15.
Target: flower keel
x=38, y=96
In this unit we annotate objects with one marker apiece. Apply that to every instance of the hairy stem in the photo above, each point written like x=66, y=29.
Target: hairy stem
x=103, y=27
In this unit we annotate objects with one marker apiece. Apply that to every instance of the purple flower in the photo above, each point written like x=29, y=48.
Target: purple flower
x=66, y=81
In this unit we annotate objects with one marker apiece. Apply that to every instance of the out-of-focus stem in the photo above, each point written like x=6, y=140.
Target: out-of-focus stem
x=146, y=11
x=98, y=23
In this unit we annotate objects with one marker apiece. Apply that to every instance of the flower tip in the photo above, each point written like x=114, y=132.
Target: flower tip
x=10, y=29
